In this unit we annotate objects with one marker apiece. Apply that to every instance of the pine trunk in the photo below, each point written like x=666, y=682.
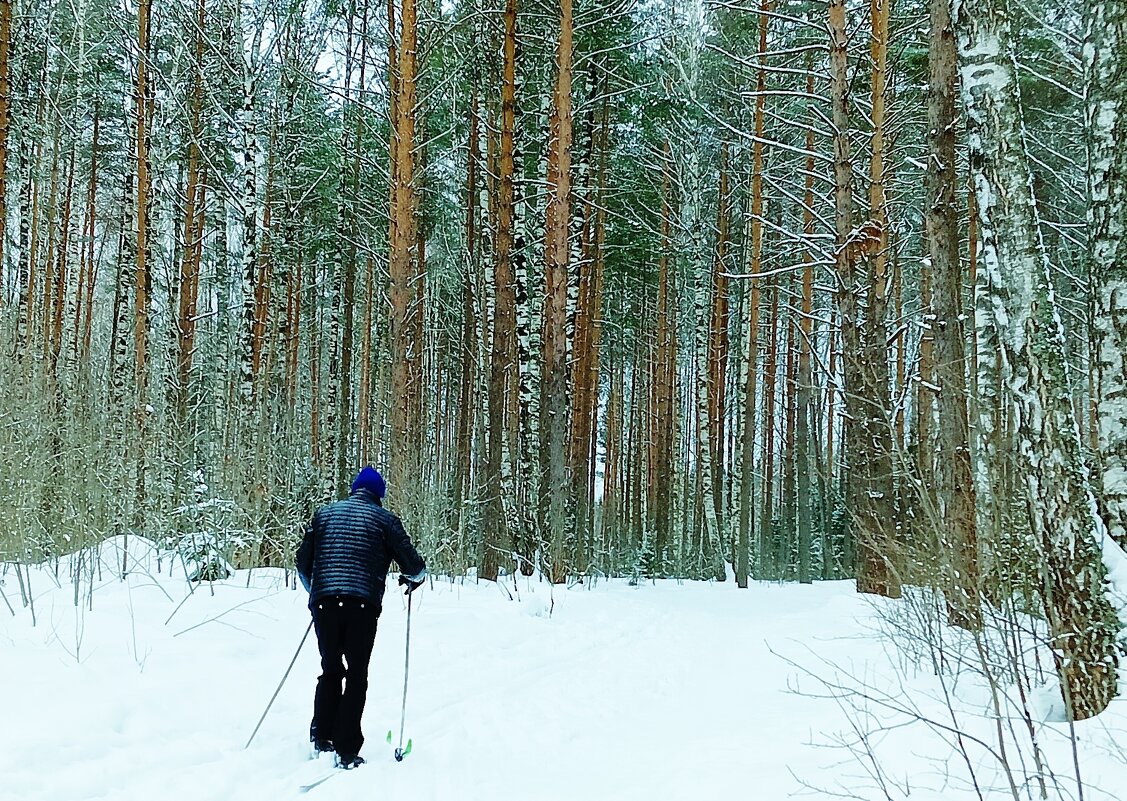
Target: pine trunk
x=192, y=248
x=468, y=351
x=768, y=568
x=143, y=280
x=953, y=468
x=555, y=503
x=87, y=303
x=664, y=373
x=805, y=379
x=718, y=348
x=754, y=251
x=403, y=236
x=497, y=539
x=865, y=360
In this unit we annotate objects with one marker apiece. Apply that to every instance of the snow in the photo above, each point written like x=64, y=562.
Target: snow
x=658, y=691
x=1115, y=560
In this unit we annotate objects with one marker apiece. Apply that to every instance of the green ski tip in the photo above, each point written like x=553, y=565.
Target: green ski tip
x=407, y=750
x=389, y=736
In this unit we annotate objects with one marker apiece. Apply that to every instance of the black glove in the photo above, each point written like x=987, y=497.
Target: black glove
x=411, y=586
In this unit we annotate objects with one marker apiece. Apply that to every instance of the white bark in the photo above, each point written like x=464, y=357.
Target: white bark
x=1034, y=364
x=1105, y=57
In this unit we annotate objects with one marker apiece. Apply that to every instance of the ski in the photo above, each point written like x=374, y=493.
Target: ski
x=337, y=768
x=305, y=788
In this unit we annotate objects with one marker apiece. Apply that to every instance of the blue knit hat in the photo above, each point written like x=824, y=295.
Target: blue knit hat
x=370, y=479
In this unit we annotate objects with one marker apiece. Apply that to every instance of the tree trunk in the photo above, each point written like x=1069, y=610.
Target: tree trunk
x=754, y=252
x=403, y=237
x=1106, y=81
x=596, y=304
x=664, y=373
x=468, y=352
x=805, y=380
x=91, y=262
x=249, y=208
x=612, y=482
x=192, y=249
x=29, y=244
x=719, y=346
x=925, y=400
x=1066, y=529
x=953, y=468
x=143, y=279
x=503, y=357
x=5, y=123
x=553, y=413
x=62, y=275
x=49, y=249
x=869, y=433
x=767, y=566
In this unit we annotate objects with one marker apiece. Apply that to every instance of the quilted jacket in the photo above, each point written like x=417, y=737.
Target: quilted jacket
x=348, y=548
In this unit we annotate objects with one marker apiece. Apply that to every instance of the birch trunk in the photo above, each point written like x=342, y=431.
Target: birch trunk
x=5, y=123
x=1069, y=533
x=709, y=555
x=1106, y=127
x=248, y=204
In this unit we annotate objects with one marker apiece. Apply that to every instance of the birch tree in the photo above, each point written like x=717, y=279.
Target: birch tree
x=1105, y=53
x=1070, y=535
x=5, y=130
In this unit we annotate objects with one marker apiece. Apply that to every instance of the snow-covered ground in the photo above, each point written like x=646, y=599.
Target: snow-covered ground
x=660, y=691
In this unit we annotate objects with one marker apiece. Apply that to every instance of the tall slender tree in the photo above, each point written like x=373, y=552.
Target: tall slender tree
x=953, y=469
x=865, y=359
x=143, y=115
x=754, y=251
x=554, y=406
x=406, y=282
x=503, y=357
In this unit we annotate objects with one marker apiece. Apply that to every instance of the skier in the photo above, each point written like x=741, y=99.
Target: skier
x=343, y=561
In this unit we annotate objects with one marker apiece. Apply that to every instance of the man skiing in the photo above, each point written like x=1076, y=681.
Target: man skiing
x=343, y=561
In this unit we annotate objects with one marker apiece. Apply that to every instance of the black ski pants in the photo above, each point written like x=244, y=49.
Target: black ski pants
x=346, y=632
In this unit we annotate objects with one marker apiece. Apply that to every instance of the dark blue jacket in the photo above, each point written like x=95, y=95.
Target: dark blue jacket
x=348, y=548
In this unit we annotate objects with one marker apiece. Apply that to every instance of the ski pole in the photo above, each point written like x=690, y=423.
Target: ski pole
x=399, y=752
x=283, y=681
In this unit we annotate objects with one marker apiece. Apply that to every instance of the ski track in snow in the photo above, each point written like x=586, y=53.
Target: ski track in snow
x=661, y=691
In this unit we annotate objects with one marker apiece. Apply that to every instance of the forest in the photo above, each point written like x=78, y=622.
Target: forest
x=726, y=290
